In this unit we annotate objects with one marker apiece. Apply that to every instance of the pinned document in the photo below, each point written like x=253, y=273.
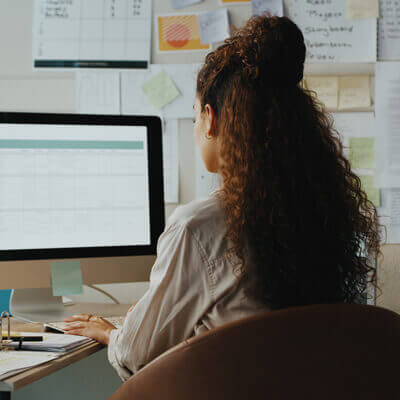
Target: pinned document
x=160, y=90
x=389, y=31
x=179, y=32
x=273, y=7
x=176, y=4
x=223, y=2
x=214, y=26
x=66, y=278
x=373, y=193
x=134, y=101
x=362, y=152
x=326, y=88
x=330, y=36
x=171, y=161
x=98, y=92
x=354, y=92
x=362, y=9
x=387, y=81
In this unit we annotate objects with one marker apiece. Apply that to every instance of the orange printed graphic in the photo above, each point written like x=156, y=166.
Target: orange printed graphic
x=179, y=32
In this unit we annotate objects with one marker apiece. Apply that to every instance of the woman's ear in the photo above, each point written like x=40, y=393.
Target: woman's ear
x=211, y=121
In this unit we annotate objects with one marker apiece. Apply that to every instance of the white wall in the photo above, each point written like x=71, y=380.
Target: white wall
x=22, y=89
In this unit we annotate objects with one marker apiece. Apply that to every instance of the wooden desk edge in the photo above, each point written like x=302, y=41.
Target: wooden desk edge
x=33, y=374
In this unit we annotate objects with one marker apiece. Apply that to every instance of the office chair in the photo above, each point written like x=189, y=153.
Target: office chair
x=320, y=352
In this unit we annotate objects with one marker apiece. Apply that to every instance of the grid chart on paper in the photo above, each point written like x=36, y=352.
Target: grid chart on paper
x=92, y=33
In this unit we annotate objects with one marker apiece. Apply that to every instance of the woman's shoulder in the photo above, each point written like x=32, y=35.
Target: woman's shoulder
x=197, y=214
x=204, y=220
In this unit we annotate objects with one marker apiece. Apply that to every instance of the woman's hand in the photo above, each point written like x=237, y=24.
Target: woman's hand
x=88, y=325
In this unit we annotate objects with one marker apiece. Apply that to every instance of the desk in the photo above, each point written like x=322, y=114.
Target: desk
x=87, y=376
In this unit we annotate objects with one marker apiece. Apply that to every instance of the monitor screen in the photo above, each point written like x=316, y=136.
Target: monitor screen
x=75, y=186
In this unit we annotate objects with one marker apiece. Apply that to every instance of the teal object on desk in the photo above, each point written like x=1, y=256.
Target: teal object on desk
x=5, y=295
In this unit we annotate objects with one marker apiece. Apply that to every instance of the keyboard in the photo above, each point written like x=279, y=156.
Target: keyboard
x=58, y=326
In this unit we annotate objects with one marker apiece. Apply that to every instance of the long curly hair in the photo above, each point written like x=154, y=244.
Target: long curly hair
x=296, y=215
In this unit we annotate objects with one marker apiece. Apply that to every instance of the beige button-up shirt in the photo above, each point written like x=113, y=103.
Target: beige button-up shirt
x=193, y=288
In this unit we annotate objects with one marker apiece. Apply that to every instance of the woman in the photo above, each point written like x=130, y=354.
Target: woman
x=290, y=225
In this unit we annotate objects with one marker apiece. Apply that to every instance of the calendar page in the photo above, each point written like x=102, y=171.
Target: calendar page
x=100, y=34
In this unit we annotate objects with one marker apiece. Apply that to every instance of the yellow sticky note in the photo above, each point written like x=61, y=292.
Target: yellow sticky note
x=362, y=9
x=373, y=193
x=326, y=89
x=354, y=92
x=160, y=90
x=362, y=152
x=66, y=278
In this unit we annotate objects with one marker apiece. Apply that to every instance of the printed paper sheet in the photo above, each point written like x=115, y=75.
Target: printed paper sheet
x=81, y=34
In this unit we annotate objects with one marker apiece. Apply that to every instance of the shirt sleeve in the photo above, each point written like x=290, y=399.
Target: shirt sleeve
x=178, y=295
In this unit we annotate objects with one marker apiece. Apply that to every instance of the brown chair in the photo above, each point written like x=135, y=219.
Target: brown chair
x=321, y=352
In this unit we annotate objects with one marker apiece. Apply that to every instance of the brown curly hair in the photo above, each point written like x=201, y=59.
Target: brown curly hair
x=292, y=204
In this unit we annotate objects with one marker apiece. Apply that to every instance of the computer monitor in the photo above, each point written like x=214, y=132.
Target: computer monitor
x=88, y=187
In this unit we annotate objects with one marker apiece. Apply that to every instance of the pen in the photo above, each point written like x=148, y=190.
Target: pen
x=25, y=338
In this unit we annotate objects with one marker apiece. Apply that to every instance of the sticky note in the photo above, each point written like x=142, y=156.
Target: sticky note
x=326, y=89
x=362, y=9
x=66, y=278
x=160, y=90
x=362, y=152
x=373, y=193
x=214, y=26
x=354, y=92
x=273, y=7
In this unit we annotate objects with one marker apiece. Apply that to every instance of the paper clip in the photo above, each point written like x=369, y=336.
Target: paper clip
x=5, y=316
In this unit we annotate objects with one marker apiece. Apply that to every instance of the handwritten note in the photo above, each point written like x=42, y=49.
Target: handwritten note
x=362, y=153
x=66, y=278
x=354, y=92
x=389, y=30
x=176, y=4
x=214, y=26
x=274, y=7
x=373, y=193
x=326, y=89
x=329, y=35
x=362, y=9
x=160, y=90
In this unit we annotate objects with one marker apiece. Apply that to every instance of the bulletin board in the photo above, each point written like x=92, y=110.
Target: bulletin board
x=24, y=89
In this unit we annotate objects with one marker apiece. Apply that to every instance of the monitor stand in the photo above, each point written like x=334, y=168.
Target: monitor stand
x=38, y=305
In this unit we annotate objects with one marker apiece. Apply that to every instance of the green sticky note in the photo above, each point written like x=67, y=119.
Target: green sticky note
x=362, y=152
x=66, y=278
x=160, y=90
x=373, y=193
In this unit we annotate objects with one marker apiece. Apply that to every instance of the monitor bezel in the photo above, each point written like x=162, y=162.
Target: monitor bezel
x=156, y=184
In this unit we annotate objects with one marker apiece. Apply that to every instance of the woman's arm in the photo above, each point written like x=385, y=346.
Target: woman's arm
x=178, y=295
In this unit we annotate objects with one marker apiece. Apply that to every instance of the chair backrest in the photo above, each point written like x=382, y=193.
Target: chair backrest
x=321, y=352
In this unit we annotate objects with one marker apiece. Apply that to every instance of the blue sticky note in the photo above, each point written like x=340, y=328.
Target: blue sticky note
x=66, y=278
x=5, y=300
